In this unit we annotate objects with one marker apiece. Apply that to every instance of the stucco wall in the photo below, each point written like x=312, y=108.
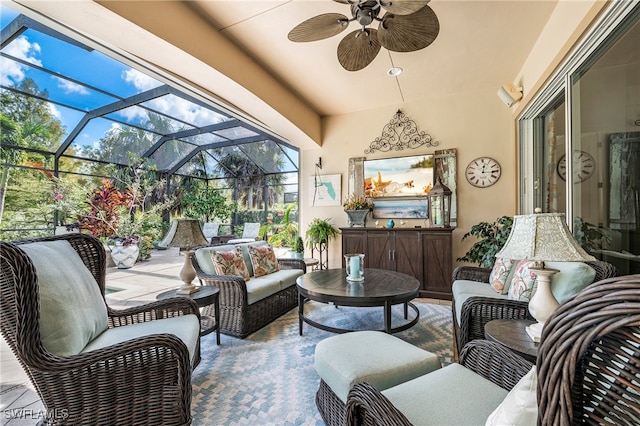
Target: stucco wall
x=476, y=124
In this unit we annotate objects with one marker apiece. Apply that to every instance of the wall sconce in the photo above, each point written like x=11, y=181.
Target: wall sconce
x=440, y=205
x=509, y=94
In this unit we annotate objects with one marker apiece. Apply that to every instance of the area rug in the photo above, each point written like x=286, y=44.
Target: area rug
x=268, y=378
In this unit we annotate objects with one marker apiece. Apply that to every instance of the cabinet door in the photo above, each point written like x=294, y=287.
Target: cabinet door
x=353, y=241
x=437, y=265
x=379, y=250
x=407, y=254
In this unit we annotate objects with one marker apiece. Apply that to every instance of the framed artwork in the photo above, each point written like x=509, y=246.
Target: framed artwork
x=399, y=177
x=324, y=190
x=401, y=208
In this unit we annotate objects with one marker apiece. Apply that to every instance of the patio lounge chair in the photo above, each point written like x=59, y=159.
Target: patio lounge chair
x=91, y=364
x=587, y=373
x=250, y=233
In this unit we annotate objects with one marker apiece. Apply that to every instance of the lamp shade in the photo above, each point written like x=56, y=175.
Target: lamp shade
x=543, y=237
x=184, y=233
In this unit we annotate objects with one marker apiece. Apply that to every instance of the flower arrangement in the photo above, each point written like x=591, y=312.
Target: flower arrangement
x=357, y=202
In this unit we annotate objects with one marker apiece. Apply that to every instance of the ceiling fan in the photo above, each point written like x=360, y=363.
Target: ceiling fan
x=406, y=26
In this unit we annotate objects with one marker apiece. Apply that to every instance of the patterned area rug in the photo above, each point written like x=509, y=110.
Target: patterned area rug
x=268, y=378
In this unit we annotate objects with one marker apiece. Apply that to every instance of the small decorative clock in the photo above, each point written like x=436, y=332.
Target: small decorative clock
x=584, y=165
x=483, y=172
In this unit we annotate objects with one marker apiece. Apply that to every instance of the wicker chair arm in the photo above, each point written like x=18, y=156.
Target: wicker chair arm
x=367, y=406
x=478, y=311
x=168, y=308
x=292, y=264
x=471, y=273
x=494, y=362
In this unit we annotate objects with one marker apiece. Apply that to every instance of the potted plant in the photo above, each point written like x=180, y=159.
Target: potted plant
x=320, y=231
x=492, y=237
x=357, y=208
x=298, y=248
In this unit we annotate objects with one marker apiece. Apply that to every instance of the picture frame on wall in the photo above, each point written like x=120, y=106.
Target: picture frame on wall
x=325, y=190
x=401, y=208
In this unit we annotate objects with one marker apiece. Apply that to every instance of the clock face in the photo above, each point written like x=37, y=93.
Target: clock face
x=483, y=172
x=584, y=165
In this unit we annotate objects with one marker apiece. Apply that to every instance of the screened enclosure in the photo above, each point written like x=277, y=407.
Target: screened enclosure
x=72, y=112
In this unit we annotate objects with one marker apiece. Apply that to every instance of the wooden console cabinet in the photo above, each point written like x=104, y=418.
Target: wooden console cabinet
x=424, y=253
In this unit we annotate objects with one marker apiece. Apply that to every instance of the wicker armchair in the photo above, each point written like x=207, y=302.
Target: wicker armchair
x=478, y=311
x=238, y=318
x=588, y=363
x=145, y=380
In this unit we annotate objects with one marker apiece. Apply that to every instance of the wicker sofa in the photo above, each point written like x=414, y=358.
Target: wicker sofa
x=475, y=303
x=247, y=306
x=587, y=372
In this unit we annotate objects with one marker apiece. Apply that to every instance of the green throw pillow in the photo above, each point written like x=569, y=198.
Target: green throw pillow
x=72, y=310
x=572, y=278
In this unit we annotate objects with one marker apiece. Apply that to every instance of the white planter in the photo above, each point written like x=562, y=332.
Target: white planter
x=123, y=256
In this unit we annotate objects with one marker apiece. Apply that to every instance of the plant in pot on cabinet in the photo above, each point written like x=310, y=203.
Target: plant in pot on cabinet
x=357, y=208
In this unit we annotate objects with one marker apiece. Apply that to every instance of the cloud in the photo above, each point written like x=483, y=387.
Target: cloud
x=139, y=80
x=70, y=87
x=12, y=72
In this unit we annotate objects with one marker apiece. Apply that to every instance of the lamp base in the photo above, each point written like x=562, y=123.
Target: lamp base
x=535, y=331
x=187, y=289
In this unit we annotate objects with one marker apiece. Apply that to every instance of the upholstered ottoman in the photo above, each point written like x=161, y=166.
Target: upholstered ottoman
x=375, y=357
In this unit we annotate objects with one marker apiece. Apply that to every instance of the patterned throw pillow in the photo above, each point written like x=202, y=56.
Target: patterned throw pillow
x=523, y=281
x=499, y=274
x=230, y=263
x=263, y=260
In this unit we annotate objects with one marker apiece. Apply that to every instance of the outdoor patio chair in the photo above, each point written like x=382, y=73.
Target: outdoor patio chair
x=473, y=306
x=250, y=233
x=588, y=372
x=91, y=364
x=210, y=230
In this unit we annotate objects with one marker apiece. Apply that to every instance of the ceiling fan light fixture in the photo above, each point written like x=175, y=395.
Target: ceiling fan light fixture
x=394, y=72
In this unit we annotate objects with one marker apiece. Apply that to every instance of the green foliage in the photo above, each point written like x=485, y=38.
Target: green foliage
x=285, y=232
x=298, y=247
x=357, y=202
x=207, y=204
x=320, y=231
x=492, y=237
x=589, y=236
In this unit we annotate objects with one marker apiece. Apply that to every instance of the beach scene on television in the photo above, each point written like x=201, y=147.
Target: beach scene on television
x=399, y=208
x=398, y=177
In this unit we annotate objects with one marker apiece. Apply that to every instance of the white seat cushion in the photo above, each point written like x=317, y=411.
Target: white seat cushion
x=452, y=395
x=186, y=328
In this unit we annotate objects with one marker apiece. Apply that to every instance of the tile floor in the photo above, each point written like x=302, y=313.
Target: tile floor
x=19, y=404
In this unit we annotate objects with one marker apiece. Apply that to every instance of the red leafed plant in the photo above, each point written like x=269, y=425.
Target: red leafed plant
x=107, y=203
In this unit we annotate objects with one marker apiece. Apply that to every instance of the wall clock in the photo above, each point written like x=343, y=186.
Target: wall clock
x=483, y=172
x=584, y=165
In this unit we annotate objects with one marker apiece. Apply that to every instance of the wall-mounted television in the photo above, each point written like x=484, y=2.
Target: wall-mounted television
x=399, y=177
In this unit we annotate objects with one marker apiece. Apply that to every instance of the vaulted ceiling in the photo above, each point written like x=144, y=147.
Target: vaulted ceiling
x=237, y=46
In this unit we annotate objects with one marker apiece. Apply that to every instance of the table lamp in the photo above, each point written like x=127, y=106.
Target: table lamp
x=186, y=234
x=542, y=237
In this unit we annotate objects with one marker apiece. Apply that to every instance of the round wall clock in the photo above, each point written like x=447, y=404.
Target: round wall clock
x=583, y=166
x=483, y=172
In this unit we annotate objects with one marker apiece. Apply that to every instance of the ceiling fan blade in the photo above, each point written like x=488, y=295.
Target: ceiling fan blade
x=408, y=33
x=358, y=49
x=403, y=7
x=319, y=27
x=346, y=1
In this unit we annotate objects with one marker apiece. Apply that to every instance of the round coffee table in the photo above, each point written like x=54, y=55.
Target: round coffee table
x=379, y=288
x=205, y=296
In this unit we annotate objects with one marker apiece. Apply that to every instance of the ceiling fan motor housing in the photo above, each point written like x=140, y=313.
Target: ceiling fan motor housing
x=365, y=12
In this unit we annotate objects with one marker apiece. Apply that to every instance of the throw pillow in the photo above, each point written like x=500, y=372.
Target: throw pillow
x=572, y=278
x=72, y=310
x=230, y=263
x=520, y=406
x=499, y=274
x=263, y=260
x=523, y=281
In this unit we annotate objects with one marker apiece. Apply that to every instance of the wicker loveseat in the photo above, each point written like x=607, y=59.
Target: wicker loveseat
x=134, y=369
x=475, y=303
x=247, y=306
x=587, y=372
